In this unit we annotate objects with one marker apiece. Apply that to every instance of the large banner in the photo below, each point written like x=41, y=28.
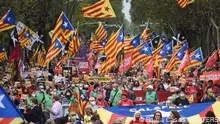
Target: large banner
x=195, y=113
x=215, y=76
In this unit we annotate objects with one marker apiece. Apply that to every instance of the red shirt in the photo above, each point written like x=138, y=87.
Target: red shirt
x=128, y=102
x=142, y=121
x=191, y=89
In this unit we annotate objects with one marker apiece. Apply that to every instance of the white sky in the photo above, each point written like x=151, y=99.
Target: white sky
x=126, y=9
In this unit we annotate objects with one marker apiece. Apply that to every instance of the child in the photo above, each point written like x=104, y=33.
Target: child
x=88, y=115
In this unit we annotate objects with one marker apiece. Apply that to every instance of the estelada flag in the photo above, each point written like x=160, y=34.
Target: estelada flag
x=197, y=116
x=101, y=9
x=9, y=113
x=126, y=63
x=212, y=60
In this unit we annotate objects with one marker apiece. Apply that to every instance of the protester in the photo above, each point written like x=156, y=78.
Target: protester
x=34, y=115
x=101, y=102
x=92, y=105
x=88, y=115
x=210, y=96
x=157, y=119
x=137, y=119
x=125, y=101
x=71, y=118
x=95, y=92
x=151, y=95
x=181, y=100
x=119, y=121
x=137, y=86
x=115, y=96
x=57, y=110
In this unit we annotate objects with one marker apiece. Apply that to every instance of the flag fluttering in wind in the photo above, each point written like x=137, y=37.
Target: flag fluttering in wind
x=3, y=55
x=82, y=101
x=7, y=21
x=24, y=38
x=149, y=68
x=212, y=60
x=184, y=63
x=62, y=31
x=113, y=46
x=196, y=57
x=9, y=113
x=100, y=33
x=101, y=9
x=184, y=3
x=16, y=54
x=144, y=34
x=74, y=44
x=62, y=60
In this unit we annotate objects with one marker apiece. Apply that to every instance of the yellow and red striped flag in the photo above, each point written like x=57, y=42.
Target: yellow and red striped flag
x=101, y=9
x=62, y=60
x=40, y=59
x=25, y=38
x=35, y=53
x=74, y=44
x=137, y=56
x=100, y=33
x=113, y=46
x=184, y=3
x=3, y=56
x=127, y=46
x=145, y=35
x=62, y=31
x=7, y=21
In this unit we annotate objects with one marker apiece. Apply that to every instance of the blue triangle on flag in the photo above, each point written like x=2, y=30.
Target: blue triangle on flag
x=9, y=19
x=136, y=41
x=27, y=34
x=103, y=43
x=58, y=44
x=198, y=55
x=66, y=25
x=146, y=49
x=121, y=35
x=181, y=53
x=7, y=107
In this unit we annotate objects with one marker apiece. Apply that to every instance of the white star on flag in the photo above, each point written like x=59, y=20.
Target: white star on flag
x=27, y=35
x=82, y=96
x=134, y=42
x=65, y=24
x=121, y=36
x=103, y=43
x=197, y=56
x=168, y=48
x=9, y=18
x=179, y=54
x=155, y=41
x=161, y=52
x=1, y=98
x=145, y=49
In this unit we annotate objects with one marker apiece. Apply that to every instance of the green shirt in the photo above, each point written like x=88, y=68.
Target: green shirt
x=48, y=102
x=117, y=97
x=150, y=98
x=39, y=97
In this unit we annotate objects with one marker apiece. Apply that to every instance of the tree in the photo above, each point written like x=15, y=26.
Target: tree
x=194, y=20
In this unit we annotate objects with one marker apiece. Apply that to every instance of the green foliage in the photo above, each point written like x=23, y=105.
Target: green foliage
x=41, y=15
x=168, y=16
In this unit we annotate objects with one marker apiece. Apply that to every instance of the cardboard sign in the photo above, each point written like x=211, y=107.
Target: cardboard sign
x=84, y=67
x=67, y=71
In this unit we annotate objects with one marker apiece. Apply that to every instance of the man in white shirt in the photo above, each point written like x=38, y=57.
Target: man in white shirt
x=57, y=109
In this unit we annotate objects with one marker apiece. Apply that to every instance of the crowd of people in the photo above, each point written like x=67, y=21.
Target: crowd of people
x=58, y=103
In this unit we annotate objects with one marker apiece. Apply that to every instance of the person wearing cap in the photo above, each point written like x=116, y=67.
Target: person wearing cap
x=151, y=95
x=115, y=96
x=125, y=101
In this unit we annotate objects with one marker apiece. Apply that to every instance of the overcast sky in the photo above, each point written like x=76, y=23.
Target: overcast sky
x=126, y=9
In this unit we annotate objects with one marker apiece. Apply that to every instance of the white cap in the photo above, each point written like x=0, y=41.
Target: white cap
x=150, y=87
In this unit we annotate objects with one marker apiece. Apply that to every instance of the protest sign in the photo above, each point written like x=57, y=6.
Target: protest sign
x=214, y=76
